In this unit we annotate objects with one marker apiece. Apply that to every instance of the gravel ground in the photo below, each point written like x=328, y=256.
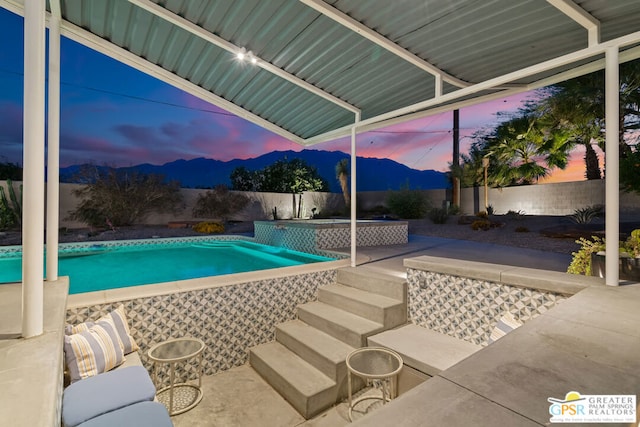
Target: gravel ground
x=504, y=234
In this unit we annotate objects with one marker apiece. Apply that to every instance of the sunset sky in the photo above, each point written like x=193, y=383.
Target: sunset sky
x=112, y=114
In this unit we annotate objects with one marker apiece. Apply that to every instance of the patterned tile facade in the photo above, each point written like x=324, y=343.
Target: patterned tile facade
x=468, y=309
x=306, y=237
x=229, y=319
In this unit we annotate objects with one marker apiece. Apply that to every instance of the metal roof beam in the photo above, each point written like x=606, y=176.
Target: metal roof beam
x=581, y=16
x=198, y=31
x=413, y=111
x=98, y=44
x=371, y=35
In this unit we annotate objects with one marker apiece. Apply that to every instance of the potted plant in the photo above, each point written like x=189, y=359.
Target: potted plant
x=630, y=257
x=590, y=259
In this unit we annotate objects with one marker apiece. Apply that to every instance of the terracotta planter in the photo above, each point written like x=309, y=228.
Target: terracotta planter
x=629, y=267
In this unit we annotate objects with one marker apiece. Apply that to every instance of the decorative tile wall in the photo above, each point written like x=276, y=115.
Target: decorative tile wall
x=307, y=238
x=467, y=308
x=229, y=319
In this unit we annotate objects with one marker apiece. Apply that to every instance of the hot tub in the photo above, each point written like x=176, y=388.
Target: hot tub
x=315, y=235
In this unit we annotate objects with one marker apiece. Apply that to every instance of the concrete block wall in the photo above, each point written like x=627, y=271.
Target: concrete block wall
x=560, y=198
x=542, y=199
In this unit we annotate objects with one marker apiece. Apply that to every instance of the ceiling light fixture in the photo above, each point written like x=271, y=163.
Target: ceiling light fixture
x=241, y=54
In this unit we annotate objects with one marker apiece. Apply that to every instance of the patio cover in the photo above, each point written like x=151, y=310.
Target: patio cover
x=321, y=62
x=317, y=70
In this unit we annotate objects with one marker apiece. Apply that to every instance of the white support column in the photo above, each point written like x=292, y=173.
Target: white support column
x=353, y=193
x=612, y=163
x=53, y=144
x=33, y=164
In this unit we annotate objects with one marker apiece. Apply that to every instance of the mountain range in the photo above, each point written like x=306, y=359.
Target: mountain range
x=372, y=174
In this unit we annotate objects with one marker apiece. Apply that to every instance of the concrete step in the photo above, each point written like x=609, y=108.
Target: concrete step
x=378, y=308
x=307, y=389
x=343, y=325
x=321, y=350
x=373, y=281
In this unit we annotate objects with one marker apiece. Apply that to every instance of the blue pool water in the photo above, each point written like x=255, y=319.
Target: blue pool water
x=100, y=267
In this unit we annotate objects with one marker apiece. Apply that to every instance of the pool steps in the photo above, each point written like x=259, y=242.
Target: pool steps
x=306, y=362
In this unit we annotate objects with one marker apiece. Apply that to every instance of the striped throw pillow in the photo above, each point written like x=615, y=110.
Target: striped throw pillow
x=93, y=351
x=506, y=324
x=119, y=320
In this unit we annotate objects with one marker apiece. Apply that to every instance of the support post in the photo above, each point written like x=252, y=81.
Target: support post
x=53, y=144
x=612, y=163
x=353, y=192
x=33, y=163
x=455, y=161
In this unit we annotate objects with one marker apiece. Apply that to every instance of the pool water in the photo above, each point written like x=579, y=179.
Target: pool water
x=100, y=267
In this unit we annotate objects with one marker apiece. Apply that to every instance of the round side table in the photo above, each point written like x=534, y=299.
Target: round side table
x=182, y=396
x=373, y=363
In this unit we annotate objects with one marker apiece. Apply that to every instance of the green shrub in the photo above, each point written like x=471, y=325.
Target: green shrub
x=408, y=204
x=581, y=262
x=632, y=244
x=438, y=215
x=209, y=227
x=219, y=203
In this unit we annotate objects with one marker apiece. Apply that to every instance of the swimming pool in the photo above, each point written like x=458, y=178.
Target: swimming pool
x=109, y=265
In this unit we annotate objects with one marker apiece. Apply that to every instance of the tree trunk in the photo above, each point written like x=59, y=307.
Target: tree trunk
x=591, y=163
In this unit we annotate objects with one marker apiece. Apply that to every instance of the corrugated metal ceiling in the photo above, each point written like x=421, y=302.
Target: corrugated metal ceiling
x=471, y=40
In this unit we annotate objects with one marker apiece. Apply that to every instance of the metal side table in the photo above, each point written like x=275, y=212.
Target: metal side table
x=373, y=363
x=182, y=396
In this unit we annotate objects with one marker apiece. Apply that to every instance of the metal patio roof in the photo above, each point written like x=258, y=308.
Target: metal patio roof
x=322, y=63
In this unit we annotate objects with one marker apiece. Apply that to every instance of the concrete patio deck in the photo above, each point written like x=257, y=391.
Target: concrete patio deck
x=588, y=344
x=240, y=397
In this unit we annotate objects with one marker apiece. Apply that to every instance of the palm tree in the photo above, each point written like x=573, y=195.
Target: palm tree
x=571, y=110
x=576, y=108
x=342, y=174
x=516, y=152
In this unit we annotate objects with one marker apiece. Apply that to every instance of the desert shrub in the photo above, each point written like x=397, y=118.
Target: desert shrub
x=7, y=221
x=586, y=215
x=219, y=203
x=408, y=204
x=481, y=224
x=482, y=214
x=115, y=197
x=10, y=207
x=490, y=210
x=521, y=229
x=515, y=214
x=438, y=215
x=209, y=227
